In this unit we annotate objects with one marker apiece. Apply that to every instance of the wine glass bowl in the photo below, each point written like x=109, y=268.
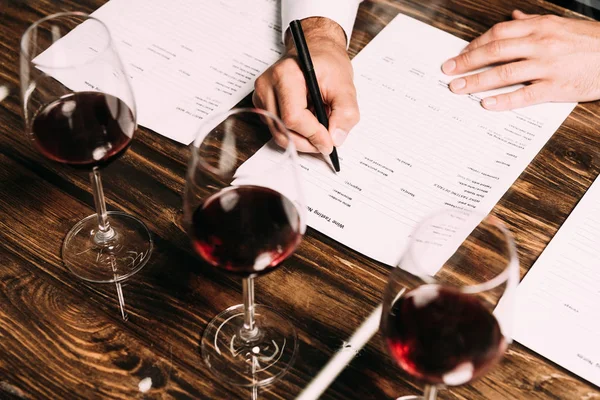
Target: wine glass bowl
x=220, y=237
x=438, y=316
x=245, y=216
x=83, y=129
x=79, y=111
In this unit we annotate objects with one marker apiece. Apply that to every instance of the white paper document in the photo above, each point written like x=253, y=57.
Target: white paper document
x=557, y=310
x=418, y=147
x=186, y=59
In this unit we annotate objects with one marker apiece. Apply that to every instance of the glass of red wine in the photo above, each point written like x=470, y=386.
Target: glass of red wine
x=80, y=111
x=438, y=316
x=245, y=220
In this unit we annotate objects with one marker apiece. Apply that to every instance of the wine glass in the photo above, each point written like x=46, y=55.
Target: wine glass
x=245, y=219
x=438, y=309
x=79, y=110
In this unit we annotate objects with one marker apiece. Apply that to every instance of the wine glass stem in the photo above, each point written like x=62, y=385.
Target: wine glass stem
x=430, y=392
x=249, y=330
x=105, y=232
x=120, y=296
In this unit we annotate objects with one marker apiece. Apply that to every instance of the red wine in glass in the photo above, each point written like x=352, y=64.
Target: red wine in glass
x=442, y=336
x=84, y=129
x=246, y=229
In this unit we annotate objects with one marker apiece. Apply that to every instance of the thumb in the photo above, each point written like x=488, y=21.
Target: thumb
x=344, y=116
x=518, y=14
x=310, y=135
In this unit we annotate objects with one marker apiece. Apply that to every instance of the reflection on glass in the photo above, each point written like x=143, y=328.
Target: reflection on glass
x=438, y=315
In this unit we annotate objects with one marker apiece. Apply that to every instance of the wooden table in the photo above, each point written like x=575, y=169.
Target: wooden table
x=62, y=339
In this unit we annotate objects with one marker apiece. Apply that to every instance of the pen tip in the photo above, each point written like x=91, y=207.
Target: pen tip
x=335, y=160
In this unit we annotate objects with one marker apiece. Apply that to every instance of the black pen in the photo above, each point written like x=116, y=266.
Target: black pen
x=311, y=83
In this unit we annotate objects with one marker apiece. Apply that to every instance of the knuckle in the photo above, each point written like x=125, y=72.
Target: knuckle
x=278, y=73
x=260, y=84
x=495, y=48
x=509, y=101
x=291, y=119
x=473, y=81
x=465, y=59
x=498, y=30
x=256, y=99
x=351, y=115
x=283, y=69
x=529, y=95
x=547, y=23
x=312, y=136
x=549, y=19
x=550, y=44
x=287, y=75
x=506, y=72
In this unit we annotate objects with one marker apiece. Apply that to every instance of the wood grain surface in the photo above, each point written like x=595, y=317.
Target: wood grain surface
x=62, y=339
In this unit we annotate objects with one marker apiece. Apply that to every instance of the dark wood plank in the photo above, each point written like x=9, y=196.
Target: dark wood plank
x=60, y=338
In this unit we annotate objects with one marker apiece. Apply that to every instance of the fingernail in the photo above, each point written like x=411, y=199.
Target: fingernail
x=324, y=149
x=489, y=102
x=339, y=136
x=449, y=66
x=458, y=84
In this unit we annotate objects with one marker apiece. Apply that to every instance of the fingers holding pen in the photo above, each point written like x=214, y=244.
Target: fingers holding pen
x=344, y=113
x=310, y=135
x=282, y=91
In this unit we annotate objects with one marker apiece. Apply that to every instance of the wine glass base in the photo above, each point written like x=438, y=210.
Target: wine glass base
x=99, y=258
x=258, y=361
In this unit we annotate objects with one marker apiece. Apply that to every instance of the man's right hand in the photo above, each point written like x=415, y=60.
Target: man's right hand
x=282, y=89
